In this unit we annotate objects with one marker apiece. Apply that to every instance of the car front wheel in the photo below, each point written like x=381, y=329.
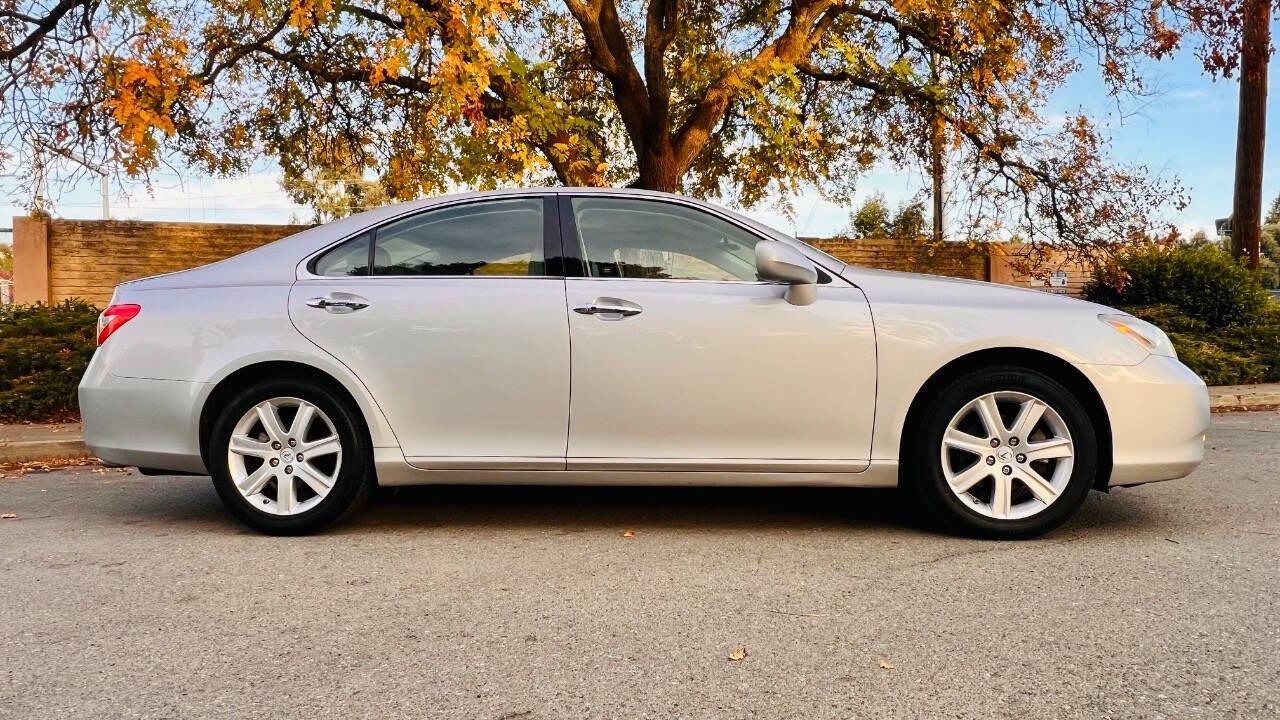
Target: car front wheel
x=1004, y=452
x=289, y=457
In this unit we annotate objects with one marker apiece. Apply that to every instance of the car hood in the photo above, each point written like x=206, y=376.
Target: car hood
x=958, y=292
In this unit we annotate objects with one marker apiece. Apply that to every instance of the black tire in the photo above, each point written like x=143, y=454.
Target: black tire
x=926, y=479
x=354, y=478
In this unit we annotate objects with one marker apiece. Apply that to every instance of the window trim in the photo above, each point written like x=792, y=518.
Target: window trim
x=551, y=243
x=576, y=261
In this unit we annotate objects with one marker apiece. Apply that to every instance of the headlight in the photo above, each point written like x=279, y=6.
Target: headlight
x=1142, y=332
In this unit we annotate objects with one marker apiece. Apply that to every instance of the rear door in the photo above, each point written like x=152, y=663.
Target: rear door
x=450, y=318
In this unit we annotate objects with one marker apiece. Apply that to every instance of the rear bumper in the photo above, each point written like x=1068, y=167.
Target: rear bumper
x=1159, y=412
x=147, y=423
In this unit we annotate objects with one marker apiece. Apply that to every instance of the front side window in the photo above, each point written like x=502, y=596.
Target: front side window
x=646, y=239
x=497, y=237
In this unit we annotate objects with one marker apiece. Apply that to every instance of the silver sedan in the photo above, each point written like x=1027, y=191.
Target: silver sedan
x=607, y=336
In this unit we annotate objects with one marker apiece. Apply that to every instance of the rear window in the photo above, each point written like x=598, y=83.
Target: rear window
x=498, y=237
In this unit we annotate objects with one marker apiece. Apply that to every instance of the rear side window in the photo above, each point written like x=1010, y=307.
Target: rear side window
x=348, y=259
x=496, y=237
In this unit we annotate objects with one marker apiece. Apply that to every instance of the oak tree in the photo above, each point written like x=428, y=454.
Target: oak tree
x=754, y=100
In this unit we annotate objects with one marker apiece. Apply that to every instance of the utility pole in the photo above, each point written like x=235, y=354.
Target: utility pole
x=935, y=152
x=37, y=167
x=82, y=162
x=1251, y=130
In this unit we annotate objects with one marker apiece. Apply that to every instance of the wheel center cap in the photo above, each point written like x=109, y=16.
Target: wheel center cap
x=286, y=455
x=1004, y=454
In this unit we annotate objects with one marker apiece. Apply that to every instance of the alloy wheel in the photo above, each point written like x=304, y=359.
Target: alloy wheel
x=284, y=456
x=1007, y=455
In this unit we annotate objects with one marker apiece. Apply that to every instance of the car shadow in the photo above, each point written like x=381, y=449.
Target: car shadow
x=707, y=509
x=588, y=508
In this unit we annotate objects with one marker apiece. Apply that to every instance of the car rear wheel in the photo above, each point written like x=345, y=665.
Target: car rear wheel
x=289, y=457
x=1004, y=452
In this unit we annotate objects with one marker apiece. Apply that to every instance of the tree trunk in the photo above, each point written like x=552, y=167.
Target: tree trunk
x=658, y=168
x=1255, y=52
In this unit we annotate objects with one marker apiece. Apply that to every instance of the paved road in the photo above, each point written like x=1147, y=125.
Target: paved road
x=126, y=596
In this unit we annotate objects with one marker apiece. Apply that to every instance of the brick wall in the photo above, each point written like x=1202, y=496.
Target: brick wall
x=1009, y=265
x=954, y=260
x=1005, y=263
x=59, y=259
x=88, y=258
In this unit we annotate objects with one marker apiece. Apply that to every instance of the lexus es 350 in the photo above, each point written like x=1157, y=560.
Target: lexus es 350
x=604, y=336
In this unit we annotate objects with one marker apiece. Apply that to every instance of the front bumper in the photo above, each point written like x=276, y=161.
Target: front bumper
x=142, y=422
x=1159, y=413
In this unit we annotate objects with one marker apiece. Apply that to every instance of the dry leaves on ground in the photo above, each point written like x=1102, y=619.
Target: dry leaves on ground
x=885, y=664
x=629, y=533
x=739, y=653
x=8, y=516
x=41, y=466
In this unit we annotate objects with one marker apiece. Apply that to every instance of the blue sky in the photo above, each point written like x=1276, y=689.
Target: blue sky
x=1185, y=129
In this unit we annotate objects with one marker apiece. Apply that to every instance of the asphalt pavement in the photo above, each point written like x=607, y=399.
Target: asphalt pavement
x=129, y=596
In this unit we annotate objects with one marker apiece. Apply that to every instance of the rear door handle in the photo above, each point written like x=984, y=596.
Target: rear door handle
x=339, y=303
x=609, y=308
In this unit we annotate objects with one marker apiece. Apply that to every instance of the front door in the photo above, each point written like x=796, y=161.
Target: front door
x=682, y=360
x=457, y=331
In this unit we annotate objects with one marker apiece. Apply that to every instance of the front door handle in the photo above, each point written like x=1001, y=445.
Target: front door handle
x=339, y=303
x=609, y=308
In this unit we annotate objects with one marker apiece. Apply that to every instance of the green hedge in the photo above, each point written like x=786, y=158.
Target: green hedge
x=1222, y=322
x=44, y=350
x=1203, y=282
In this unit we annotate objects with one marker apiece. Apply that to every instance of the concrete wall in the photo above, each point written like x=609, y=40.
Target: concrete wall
x=59, y=259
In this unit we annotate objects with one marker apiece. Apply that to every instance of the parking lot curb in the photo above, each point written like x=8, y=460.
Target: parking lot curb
x=21, y=451
x=35, y=442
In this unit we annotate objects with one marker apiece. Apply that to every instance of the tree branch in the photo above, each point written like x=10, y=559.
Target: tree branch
x=43, y=26
x=809, y=20
x=984, y=149
x=609, y=53
x=662, y=22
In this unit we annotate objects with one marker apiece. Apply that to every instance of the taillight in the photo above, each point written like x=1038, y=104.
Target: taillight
x=113, y=318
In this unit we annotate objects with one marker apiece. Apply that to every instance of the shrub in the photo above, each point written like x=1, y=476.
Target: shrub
x=1205, y=283
x=44, y=350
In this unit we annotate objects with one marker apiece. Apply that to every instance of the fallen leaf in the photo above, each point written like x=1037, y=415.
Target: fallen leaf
x=739, y=653
x=885, y=665
x=9, y=516
x=22, y=468
x=629, y=533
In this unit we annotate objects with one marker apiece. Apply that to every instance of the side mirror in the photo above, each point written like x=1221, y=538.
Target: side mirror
x=780, y=263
